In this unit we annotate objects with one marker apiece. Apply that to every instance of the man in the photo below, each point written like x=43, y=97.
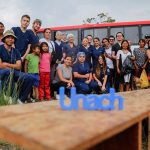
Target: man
x=23, y=40
x=34, y=39
x=115, y=48
x=10, y=65
x=111, y=40
x=2, y=28
x=90, y=39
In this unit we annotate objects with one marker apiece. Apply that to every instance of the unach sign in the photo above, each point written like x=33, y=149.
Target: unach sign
x=91, y=101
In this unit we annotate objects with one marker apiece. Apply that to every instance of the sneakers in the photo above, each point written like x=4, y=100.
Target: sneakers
x=19, y=101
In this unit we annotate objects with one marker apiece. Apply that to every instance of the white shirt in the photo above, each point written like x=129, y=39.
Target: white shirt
x=109, y=62
x=50, y=43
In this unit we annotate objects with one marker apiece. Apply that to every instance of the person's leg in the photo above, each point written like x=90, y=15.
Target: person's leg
x=24, y=84
x=41, y=86
x=47, y=85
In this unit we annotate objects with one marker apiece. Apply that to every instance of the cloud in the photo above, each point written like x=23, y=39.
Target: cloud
x=66, y=12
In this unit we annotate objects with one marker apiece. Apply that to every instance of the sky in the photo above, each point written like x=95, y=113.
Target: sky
x=71, y=12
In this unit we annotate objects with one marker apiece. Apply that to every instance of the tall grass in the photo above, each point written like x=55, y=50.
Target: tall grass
x=10, y=91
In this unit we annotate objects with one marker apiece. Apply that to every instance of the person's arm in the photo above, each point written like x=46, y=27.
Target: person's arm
x=98, y=81
x=77, y=75
x=104, y=83
x=89, y=79
x=113, y=55
x=26, y=53
x=17, y=65
x=26, y=66
x=118, y=69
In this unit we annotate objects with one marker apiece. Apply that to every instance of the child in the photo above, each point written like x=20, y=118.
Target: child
x=100, y=75
x=32, y=66
x=45, y=60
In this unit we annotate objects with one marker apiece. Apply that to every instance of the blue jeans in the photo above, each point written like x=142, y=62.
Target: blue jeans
x=24, y=82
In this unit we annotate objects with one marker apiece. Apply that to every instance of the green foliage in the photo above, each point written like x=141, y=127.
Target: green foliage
x=100, y=18
x=9, y=94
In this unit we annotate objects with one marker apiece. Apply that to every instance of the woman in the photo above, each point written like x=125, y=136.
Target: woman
x=47, y=39
x=109, y=58
x=70, y=48
x=101, y=76
x=140, y=58
x=97, y=50
x=124, y=79
x=87, y=49
x=82, y=74
x=64, y=76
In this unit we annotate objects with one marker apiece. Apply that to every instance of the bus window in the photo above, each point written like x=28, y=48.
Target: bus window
x=132, y=33
x=75, y=33
x=100, y=33
x=145, y=30
x=40, y=35
x=87, y=32
x=113, y=31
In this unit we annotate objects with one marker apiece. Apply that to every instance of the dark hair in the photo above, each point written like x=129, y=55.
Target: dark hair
x=89, y=35
x=142, y=40
x=96, y=38
x=25, y=16
x=41, y=45
x=47, y=29
x=37, y=21
x=128, y=44
x=34, y=46
x=68, y=56
x=111, y=36
x=98, y=70
x=105, y=39
x=1, y=24
x=119, y=33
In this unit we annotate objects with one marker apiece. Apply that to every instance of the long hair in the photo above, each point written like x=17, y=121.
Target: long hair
x=98, y=70
x=41, y=45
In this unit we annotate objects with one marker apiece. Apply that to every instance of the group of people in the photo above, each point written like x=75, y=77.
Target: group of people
x=40, y=66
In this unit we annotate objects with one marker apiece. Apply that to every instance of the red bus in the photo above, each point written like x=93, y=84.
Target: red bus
x=132, y=31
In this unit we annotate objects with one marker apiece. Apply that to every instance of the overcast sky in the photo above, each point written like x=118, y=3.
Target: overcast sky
x=71, y=12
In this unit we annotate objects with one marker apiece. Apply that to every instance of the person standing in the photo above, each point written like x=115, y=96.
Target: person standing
x=23, y=39
x=47, y=39
x=45, y=59
x=115, y=48
x=32, y=61
x=34, y=39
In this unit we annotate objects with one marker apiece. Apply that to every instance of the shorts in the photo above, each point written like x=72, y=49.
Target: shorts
x=36, y=79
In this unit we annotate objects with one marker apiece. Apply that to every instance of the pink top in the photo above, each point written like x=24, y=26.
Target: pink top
x=45, y=60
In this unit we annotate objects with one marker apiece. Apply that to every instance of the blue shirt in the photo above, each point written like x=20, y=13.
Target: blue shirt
x=88, y=53
x=34, y=39
x=23, y=39
x=9, y=56
x=71, y=51
x=102, y=73
x=96, y=53
x=82, y=69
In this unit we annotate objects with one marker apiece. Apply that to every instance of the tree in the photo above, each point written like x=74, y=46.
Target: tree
x=100, y=18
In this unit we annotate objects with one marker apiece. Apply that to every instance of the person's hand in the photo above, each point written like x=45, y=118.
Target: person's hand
x=103, y=88
x=87, y=81
x=6, y=64
x=22, y=59
x=87, y=75
x=99, y=83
